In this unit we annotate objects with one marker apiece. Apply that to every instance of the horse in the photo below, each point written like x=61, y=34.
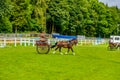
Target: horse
x=65, y=44
x=113, y=45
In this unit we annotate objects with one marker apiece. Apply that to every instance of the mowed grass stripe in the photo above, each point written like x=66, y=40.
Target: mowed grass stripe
x=89, y=63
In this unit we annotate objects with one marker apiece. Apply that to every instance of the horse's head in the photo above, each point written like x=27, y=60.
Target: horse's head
x=74, y=41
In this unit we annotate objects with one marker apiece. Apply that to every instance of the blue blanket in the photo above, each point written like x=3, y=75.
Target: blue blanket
x=64, y=36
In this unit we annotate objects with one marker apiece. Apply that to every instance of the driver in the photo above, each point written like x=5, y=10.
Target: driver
x=111, y=40
x=43, y=36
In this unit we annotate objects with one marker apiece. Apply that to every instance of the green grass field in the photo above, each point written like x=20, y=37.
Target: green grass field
x=89, y=63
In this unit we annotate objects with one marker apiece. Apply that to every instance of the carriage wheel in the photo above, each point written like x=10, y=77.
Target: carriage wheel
x=43, y=49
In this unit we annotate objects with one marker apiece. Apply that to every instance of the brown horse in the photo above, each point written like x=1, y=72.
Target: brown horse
x=112, y=45
x=65, y=44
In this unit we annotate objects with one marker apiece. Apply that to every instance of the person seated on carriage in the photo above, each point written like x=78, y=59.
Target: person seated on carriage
x=43, y=37
x=110, y=40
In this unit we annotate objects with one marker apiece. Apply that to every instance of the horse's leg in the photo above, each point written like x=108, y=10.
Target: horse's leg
x=116, y=47
x=72, y=51
x=55, y=50
x=67, y=51
x=119, y=46
x=60, y=51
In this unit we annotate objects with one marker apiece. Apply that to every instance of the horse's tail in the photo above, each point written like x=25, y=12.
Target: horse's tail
x=54, y=45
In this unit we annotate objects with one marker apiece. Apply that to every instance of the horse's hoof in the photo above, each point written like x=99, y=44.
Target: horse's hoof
x=61, y=53
x=73, y=53
x=66, y=53
x=54, y=52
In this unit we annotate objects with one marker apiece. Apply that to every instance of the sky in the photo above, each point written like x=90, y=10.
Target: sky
x=111, y=2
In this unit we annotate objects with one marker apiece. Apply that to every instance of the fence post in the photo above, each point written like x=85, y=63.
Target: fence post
x=4, y=41
x=33, y=42
x=15, y=42
x=93, y=42
x=80, y=42
x=85, y=41
x=24, y=41
x=21, y=41
x=28, y=41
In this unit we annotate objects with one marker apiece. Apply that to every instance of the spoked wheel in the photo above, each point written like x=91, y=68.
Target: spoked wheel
x=42, y=49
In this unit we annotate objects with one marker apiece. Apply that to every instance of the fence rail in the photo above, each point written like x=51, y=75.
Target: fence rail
x=92, y=42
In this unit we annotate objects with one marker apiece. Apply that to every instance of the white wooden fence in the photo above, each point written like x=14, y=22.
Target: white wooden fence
x=31, y=41
x=92, y=42
x=17, y=41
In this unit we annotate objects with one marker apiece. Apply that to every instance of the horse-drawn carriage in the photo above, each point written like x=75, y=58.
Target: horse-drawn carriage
x=43, y=46
x=114, y=42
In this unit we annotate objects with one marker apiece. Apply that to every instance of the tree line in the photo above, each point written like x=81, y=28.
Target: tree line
x=68, y=17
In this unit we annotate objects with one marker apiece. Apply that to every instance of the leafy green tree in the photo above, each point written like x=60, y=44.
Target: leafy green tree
x=5, y=25
x=57, y=16
x=5, y=11
x=39, y=13
x=18, y=19
x=72, y=17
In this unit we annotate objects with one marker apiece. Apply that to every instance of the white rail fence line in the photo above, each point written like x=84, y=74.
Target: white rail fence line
x=31, y=41
x=92, y=42
x=17, y=41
